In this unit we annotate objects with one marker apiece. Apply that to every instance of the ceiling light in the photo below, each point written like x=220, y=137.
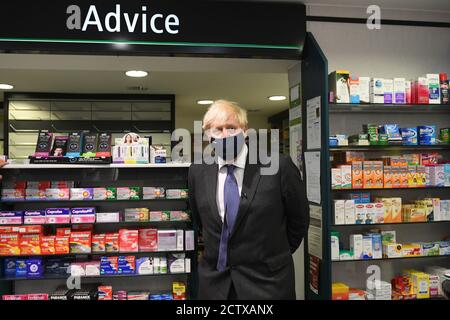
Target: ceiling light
x=136, y=73
x=4, y=86
x=277, y=98
x=205, y=102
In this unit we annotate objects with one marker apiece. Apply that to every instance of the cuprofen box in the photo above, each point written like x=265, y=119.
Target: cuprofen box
x=148, y=240
x=34, y=217
x=82, y=215
x=57, y=215
x=80, y=242
x=128, y=240
x=30, y=244
x=11, y=217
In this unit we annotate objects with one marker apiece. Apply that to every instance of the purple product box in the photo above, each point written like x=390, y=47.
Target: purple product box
x=34, y=268
x=34, y=217
x=82, y=194
x=11, y=217
x=57, y=215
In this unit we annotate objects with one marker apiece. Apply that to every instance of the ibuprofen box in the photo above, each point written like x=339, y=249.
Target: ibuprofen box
x=30, y=244
x=57, y=215
x=62, y=245
x=57, y=194
x=11, y=217
x=9, y=244
x=80, y=242
x=100, y=194
x=112, y=242
x=82, y=215
x=148, y=240
x=34, y=217
x=48, y=245
x=79, y=194
x=128, y=240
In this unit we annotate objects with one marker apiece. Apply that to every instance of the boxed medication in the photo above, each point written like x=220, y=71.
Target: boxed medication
x=109, y=265
x=9, y=244
x=62, y=245
x=62, y=232
x=34, y=217
x=434, y=88
x=180, y=240
x=335, y=246
x=340, y=291
x=107, y=217
x=100, y=193
x=437, y=176
x=128, y=193
x=409, y=136
x=155, y=215
x=167, y=240
x=104, y=145
x=80, y=242
x=128, y=240
x=48, y=245
x=21, y=268
x=336, y=178
x=35, y=194
x=13, y=194
x=377, y=90
x=427, y=135
x=367, y=247
x=346, y=174
x=158, y=154
x=126, y=265
x=353, y=83
x=444, y=248
x=30, y=244
x=176, y=193
x=57, y=194
x=11, y=217
x=411, y=250
x=339, y=212
x=79, y=194
x=349, y=212
x=144, y=265
x=148, y=240
x=136, y=214
x=189, y=240
x=399, y=90
x=357, y=175
x=92, y=269
x=388, y=86
x=34, y=268
x=364, y=89
x=360, y=213
x=179, y=216
x=98, y=243
x=176, y=263
x=82, y=215
x=153, y=192
x=430, y=249
x=105, y=293
x=356, y=246
x=57, y=215
x=112, y=242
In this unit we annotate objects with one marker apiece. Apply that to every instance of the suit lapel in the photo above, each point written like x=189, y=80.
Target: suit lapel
x=249, y=185
x=211, y=190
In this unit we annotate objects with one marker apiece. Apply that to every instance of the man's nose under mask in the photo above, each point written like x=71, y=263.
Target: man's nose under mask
x=228, y=148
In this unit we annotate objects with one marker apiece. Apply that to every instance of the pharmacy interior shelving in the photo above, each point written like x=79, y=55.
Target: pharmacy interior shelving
x=170, y=175
x=348, y=119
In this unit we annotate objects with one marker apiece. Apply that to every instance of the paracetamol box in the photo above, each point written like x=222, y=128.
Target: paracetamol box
x=57, y=215
x=349, y=212
x=399, y=90
x=35, y=194
x=100, y=194
x=377, y=90
x=11, y=217
x=82, y=215
x=339, y=212
x=356, y=246
x=79, y=194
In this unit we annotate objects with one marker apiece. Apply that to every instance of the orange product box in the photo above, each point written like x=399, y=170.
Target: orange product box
x=403, y=177
x=368, y=182
x=396, y=214
x=98, y=243
x=128, y=240
x=62, y=245
x=395, y=171
x=421, y=176
x=377, y=174
x=80, y=242
x=4, y=229
x=48, y=245
x=30, y=244
x=357, y=175
x=105, y=293
x=9, y=244
x=387, y=177
x=112, y=242
x=63, y=232
x=21, y=229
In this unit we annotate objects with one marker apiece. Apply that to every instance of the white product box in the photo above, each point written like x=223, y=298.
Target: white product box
x=190, y=240
x=367, y=247
x=360, y=213
x=167, y=240
x=388, y=85
x=180, y=240
x=105, y=217
x=434, y=88
x=336, y=178
x=349, y=210
x=346, y=175
x=92, y=269
x=399, y=90
x=370, y=213
x=100, y=194
x=187, y=265
x=339, y=212
x=445, y=210
x=364, y=89
x=356, y=246
x=377, y=90
x=379, y=212
x=334, y=247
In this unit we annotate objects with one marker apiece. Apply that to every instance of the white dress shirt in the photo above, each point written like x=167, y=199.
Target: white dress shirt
x=239, y=162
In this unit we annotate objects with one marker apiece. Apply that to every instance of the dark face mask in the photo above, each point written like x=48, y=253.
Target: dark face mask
x=228, y=148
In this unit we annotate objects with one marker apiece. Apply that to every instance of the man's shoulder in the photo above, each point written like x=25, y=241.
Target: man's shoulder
x=199, y=167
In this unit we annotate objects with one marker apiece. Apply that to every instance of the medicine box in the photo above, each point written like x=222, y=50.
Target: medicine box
x=338, y=84
x=148, y=240
x=349, y=212
x=34, y=217
x=339, y=212
x=377, y=90
x=356, y=246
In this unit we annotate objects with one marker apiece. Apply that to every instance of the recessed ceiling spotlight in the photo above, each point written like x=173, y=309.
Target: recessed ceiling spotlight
x=277, y=98
x=5, y=86
x=136, y=73
x=204, y=102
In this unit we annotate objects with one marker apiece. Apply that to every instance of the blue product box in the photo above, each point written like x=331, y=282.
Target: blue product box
x=356, y=197
x=166, y=297
x=108, y=265
x=34, y=268
x=57, y=211
x=365, y=197
x=155, y=297
x=127, y=265
x=57, y=266
x=21, y=268
x=427, y=135
x=9, y=267
x=333, y=142
x=447, y=175
x=409, y=136
x=393, y=132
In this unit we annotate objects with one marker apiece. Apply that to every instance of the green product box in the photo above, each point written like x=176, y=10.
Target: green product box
x=383, y=139
x=165, y=216
x=445, y=135
x=111, y=193
x=135, y=193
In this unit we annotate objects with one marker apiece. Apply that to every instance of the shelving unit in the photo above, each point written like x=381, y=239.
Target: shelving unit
x=169, y=175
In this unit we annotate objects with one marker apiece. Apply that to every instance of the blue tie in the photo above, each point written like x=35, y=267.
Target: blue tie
x=231, y=202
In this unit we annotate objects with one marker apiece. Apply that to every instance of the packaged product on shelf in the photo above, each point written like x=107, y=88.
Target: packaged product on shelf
x=57, y=215
x=336, y=178
x=15, y=297
x=434, y=285
x=144, y=265
x=155, y=215
x=128, y=240
x=13, y=194
x=153, y=192
x=127, y=265
x=422, y=91
x=356, y=246
x=35, y=194
x=377, y=90
x=112, y=242
x=176, y=193
x=9, y=244
x=105, y=293
x=138, y=295
x=128, y=193
x=187, y=265
x=367, y=246
x=77, y=269
x=180, y=240
x=411, y=250
x=430, y=249
x=104, y=145
x=421, y=284
x=58, y=266
x=445, y=210
x=378, y=213
x=388, y=86
x=339, y=291
x=79, y=194
x=427, y=135
x=148, y=240
x=364, y=89
x=80, y=242
x=165, y=215
x=34, y=217
x=346, y=174
x=381, y=290
x=447, y=175
x=409, y=136
x=399, y=90
x=44, y=144
x=176, y=263
x=179, y=216
x=62, y=244
x=437, y=176
x=388, y=236
x=109, y=265
x=57, y=194
x=444, y=248
x=353, y=83
x=100, y=193
x=89, y=145
x=74, y=146
x=412, y=177
x=47, y=245
x=434, y=88
x=21, y=268
x=158, y=154
x=59, y=146
x=357, y=175
x=82, y=215
x=339, y=212
x=335, y=245
x=98, y=243
x=62, y=184
x=377, y=246
x=62, y=232
x=136, y=214
x=445, y=135
x=167, y=240
x=30, y=244
x=107, y=217
x=179, y=291
x=120, y=295
x=11, y=217
x=189, y=240
x=163, y=265
x=34, y=268
x=368, y=175
x=37, y=296
x=111, y=193
x=360, y=214
x=9, y=267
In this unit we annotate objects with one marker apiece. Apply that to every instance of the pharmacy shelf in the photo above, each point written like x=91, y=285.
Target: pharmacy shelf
x=89, y=201
x=389, y=108
x=64, y=277
x=389, y=224
x=376, y=148
x=94, y=254
x=373, y=189
x=114, y=224
x=392, y=259
x=12, y=166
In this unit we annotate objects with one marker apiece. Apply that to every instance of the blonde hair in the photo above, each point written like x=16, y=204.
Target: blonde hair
x=220, y=109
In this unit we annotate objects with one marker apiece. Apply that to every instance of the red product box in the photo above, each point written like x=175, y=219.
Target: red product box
x=128, y=240
x=28, y=229
x=80, y=241
x=15, y=297
x=148, y=240
x=48, y=245
x=63, y=232
x=105, y=293
x=83, y=227
x=62, y=245
x=98, y=243
x=5, y=230
x=112, y=242
x=30, y=244
x=38, y=296
x=9, y=244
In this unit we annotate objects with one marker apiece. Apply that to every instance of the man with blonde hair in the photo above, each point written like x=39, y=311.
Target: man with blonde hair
x=251, y=223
